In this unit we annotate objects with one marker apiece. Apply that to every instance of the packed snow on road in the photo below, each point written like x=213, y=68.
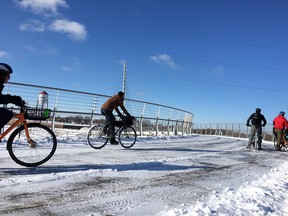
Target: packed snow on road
x=162, y=176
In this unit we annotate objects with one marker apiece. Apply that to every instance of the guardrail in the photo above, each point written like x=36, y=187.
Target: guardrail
x=238, y=130
x=152, y=118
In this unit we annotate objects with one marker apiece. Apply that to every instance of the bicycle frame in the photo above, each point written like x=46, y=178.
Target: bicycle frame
x=116, y=131
x=29, y=144
x=20, y=119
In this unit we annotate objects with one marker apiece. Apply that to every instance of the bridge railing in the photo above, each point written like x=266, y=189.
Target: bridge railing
x=152, y=118
x=238, y=130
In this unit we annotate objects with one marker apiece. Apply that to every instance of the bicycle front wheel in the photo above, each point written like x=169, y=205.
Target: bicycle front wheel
x=96, y=137
x=25, y=154
x=127, y=136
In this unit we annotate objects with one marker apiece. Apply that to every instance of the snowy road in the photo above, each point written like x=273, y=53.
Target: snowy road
x=156, y=175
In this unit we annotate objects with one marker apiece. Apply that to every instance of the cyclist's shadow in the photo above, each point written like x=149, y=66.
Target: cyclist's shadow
x=148, y=166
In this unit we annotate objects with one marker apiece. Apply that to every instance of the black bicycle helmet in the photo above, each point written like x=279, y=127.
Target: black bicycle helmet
x=120, y=93
x=258, y=110
x=282, y=113
x=5, y=69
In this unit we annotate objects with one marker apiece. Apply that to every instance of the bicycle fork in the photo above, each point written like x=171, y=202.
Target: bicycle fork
x=31, y=142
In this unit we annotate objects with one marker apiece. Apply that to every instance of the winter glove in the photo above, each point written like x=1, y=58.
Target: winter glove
x=17, y=100
x=23, y=104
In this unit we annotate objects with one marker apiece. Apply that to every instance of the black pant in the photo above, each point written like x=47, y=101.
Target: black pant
x=5, y=116
x=111, y=121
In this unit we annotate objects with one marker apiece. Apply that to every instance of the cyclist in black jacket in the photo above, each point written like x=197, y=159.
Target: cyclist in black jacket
x=5, y=114
x=257, y=122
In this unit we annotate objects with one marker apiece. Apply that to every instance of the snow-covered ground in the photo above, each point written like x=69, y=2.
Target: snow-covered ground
x=188, y=175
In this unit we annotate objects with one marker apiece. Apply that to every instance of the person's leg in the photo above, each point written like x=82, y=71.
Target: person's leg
x=5, y=116
x=279, y=136
x=111, y=121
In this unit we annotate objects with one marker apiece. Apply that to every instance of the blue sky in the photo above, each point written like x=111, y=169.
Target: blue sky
x=219, y=59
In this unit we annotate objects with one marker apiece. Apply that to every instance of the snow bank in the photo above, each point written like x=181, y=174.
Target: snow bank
x=266, y=196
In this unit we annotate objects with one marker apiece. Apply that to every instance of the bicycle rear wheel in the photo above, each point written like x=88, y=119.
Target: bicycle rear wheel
x=127, y=136
x=45, y=144
x=96, y=137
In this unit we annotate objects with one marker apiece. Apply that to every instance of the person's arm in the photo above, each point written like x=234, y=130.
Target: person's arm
x=125, y=111
x=118, y=111
x=5, y=99
x=264, y=121
x=248, y=120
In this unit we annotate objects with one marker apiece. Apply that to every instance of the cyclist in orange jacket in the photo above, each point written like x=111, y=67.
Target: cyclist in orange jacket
x=279, y=125
x=5, y=114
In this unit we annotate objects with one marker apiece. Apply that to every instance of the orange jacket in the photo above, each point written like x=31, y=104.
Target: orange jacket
x=280, y=122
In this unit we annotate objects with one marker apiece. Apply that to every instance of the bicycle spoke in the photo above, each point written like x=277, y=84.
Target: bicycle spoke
x=96, y=137
x=127, y=136
x=42, y=149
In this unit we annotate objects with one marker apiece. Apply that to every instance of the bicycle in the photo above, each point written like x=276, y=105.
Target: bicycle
x=97, y=136
x=283, y=141
x=31, y=144
x=256, y=142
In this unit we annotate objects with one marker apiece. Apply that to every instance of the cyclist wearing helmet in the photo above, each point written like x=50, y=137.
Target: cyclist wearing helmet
x=107, y=110
x=279, y=125
x=5, y=114
x=257, y=122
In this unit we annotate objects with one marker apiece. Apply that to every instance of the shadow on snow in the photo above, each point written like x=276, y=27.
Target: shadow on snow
x=149, y=166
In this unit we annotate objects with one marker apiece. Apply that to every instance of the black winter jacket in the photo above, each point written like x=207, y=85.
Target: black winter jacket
x=7, y=98
x=256, y=119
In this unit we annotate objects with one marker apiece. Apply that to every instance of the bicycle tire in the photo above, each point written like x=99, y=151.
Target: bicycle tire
x=23, y=154
x=127, y=136
x=96, y=138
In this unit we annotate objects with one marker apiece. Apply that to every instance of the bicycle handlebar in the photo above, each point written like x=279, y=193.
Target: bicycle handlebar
x=23, y=108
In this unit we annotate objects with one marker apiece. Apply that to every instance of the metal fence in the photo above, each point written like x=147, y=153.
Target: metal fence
x=152, y=118
x=237, y=130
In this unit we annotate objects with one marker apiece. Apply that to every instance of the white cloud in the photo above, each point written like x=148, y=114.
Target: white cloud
x=33, y=26
x=29, y=47
x=73, y=67
x=141, y=93
x=215, y=71
x=49, y=9
x=165, y=58
x=218, y=71
x=3, y=53
x=42, y=6
x=74, y=29
x=66, y=68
